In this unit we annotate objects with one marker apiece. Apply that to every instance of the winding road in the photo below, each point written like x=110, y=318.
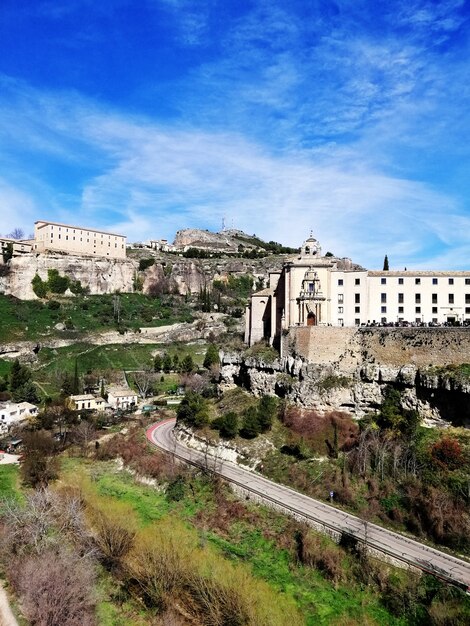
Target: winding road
x=450, y=568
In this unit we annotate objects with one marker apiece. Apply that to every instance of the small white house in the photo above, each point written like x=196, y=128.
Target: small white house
x=13, y=413
x=87, y=402
x=122, y=398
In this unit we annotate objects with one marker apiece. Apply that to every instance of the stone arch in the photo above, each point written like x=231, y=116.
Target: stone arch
x=311, y=319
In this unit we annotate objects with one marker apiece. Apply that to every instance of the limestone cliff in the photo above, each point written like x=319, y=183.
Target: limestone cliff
x=327, y=369
x=169, y=273
x=100, y=275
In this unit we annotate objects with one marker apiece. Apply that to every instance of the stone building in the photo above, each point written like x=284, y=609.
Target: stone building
x=78, y=240
x=315, y=290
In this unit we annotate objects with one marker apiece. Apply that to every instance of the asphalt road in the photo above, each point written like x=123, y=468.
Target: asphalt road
x=391, y=543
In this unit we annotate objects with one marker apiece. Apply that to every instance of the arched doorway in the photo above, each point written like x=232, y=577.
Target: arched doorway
x=311, y=319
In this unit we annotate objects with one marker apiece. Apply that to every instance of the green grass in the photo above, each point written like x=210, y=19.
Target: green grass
x=9, y=481
x=319, y=600
x=105, y=360
x=31, y=319
x=5, y=367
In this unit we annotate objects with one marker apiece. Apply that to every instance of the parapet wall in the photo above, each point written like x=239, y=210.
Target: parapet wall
x=397, y=347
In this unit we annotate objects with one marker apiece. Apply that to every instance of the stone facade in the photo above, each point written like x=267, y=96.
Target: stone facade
x=315, y=290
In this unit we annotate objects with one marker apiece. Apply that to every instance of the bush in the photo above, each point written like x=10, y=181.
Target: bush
x=193, y=410
x=145, y=263
x=39, y=286
x=55, y=588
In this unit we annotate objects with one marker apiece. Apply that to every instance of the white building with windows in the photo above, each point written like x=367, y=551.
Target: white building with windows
x=15, y=414
x=316, y=290
x=122, y=398
x=78, y=240
x=87, y=402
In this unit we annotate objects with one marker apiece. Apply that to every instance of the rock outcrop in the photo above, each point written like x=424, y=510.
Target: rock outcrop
x=99, y=275
x=348, y=371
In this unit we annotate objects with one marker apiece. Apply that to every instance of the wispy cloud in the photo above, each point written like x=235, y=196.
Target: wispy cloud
x=154, y=179
x=348, y=118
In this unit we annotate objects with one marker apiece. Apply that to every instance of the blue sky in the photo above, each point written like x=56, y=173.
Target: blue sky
x=350, y=118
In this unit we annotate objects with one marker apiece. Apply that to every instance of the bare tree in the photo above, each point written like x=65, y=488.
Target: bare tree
x=55, y=588
x=83, y=434
x=144, y=380
x=16, y=233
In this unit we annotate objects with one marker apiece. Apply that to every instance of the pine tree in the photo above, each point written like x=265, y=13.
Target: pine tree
x=158, y=363
x=386, y=268
x=19, y=375
x=187, y=364
x=211, y=357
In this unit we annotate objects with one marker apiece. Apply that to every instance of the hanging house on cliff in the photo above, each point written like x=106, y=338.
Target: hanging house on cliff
x=316, y=290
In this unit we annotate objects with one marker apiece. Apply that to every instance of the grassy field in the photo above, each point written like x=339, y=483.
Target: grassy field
x=108, y=361
x=320, y=601
x=9, y=481
x=31, y=319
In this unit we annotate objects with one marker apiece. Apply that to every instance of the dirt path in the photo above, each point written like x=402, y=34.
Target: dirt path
x=6, y=616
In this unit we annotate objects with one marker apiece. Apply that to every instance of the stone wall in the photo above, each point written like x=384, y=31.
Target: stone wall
x=396, y=347
x=334, y=369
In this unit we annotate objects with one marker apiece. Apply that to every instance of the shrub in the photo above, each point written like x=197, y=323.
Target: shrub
x=55, y=588
x=145, y=263
x=56, y=283
x=113, y=528
x=39, y=286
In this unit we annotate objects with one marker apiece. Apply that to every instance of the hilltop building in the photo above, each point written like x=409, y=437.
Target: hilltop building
x=316, y=290
x=54, y=236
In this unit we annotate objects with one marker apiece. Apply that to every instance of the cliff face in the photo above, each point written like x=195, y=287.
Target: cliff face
x=100, y=275
x=169, y=273
x=327, y=369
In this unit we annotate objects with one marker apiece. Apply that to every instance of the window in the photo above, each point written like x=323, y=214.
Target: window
x=401, y=298
x=451, y=298
x=451, y=281
x=59, y=236
x=467, y=310
x=434, y=281
x=434, y=298
x=357, y=309
x=357, y=281
x=418, y=309
x=418, y=298
x=340, y=281
x=467, y=298
x=383, y=320
x=400, y=309
x=400, y=281
x=383, y=281
x=340, y=309
x=340, y=298
x=66, y=237
x=357, y=321
x=434, y=310
x=340, y=321
x=383, y=309
x=357, y=298
x=383, y=297
x=417, y=281
x=467, y=281
x=434, y=320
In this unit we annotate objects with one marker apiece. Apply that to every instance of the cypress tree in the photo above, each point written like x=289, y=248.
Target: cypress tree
x=386, y=268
